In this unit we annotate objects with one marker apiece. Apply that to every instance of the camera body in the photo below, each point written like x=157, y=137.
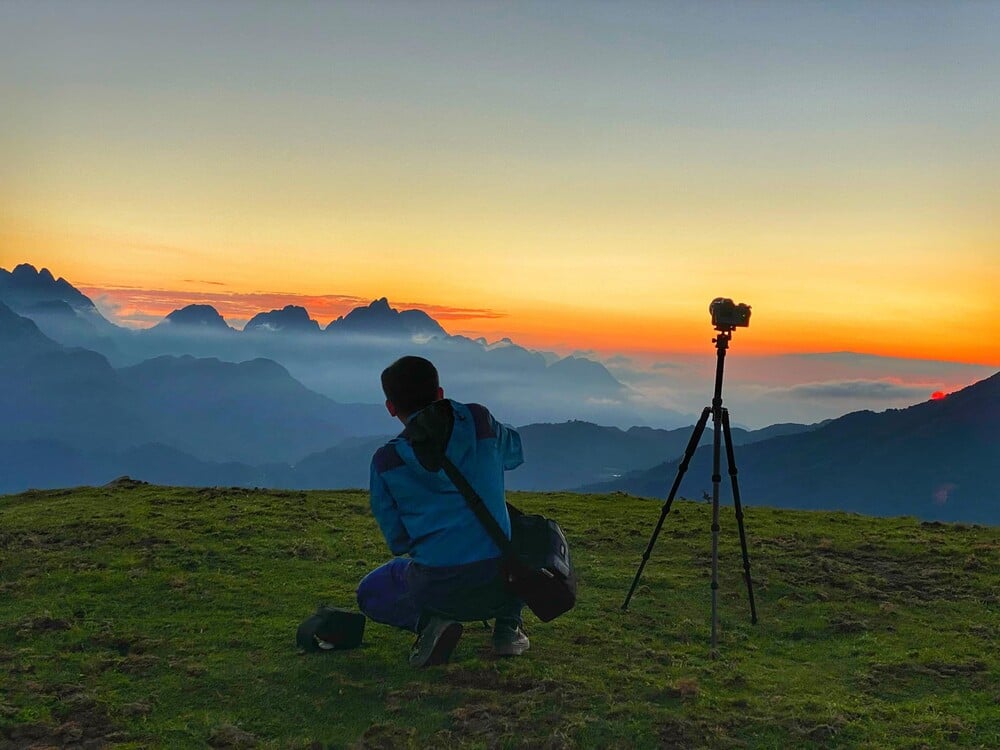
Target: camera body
x=727, y=314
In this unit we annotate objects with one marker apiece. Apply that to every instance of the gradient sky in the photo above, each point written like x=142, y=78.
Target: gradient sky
x=574, y=175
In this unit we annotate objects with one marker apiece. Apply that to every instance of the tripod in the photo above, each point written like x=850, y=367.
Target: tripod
x=720, y=422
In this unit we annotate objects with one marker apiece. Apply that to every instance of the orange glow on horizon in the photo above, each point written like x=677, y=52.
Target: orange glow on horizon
x=560, y=329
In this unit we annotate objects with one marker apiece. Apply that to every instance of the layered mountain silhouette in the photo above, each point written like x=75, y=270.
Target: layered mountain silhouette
x=344, y=365
x=937, y=459
x=60, y=310
x=82, y=400
x=253, y=412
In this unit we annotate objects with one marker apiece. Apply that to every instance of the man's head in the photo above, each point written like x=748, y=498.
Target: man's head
x=410, y=384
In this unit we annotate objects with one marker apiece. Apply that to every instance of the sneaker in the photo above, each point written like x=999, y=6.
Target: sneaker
x=435, y=643
x=509, y=638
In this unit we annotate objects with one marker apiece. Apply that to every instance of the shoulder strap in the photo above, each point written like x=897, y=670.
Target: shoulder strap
x=477, y=506
x=428, y=432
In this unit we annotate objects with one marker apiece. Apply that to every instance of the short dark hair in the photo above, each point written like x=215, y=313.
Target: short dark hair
x=410, y=383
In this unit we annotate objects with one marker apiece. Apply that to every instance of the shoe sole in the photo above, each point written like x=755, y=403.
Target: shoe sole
x=510, y=649
x=444, y=646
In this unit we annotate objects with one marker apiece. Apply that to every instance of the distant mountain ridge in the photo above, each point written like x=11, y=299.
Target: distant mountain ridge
x=344, y=363
x=68, y=415
x=936, y=459
x=253, y=411
x=195, y=399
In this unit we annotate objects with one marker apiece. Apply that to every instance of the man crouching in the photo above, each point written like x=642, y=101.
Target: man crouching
x=452, y=573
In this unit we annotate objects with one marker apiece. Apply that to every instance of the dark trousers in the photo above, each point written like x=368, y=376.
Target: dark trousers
x=401, y=591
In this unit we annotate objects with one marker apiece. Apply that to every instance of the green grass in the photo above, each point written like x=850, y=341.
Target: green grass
x=163, y=617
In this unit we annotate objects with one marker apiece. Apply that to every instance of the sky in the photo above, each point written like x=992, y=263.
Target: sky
x=573, y=175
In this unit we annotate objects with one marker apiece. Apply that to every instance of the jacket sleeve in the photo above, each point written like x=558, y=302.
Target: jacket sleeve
x=386, y=513
x=510, y=445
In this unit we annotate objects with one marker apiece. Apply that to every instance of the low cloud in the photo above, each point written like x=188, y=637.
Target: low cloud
x=875, y=390
x=619, y=360
x=444, y=312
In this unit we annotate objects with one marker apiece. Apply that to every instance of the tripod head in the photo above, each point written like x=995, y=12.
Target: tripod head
x=725, y=334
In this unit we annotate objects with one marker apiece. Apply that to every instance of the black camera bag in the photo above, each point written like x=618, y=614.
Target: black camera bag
x=331, y=629
x=540, y=571
x=537, y=566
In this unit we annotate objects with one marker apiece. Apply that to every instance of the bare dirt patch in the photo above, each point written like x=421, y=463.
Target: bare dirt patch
x=231, y=737
x=387, y=737
x=81, y=723
x=880, y=575
x=43, y=624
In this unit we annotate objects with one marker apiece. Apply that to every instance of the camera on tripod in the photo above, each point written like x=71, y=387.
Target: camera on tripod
x=726, y=314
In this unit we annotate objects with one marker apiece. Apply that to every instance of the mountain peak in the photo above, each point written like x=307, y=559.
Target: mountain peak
x=35, y=293
x=380, y=319
x=196, y=316
x=26, y=276
x=291, y=318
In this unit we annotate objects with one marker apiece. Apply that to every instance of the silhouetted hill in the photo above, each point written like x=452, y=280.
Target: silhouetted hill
x=937, y=459
x=253, y=412
x=290, y=318
x=20, y=337
x=50, y=464
x=379, y=319
x=585, y=372
x=568, y=455
x=345, y=465
x=221, y=411
x=71, y=395
x=203, y=317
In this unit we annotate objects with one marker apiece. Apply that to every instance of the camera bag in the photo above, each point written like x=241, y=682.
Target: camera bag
x=537, y=567
x=330, y=629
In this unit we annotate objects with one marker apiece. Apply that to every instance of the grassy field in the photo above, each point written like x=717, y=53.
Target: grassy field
x=142, y=616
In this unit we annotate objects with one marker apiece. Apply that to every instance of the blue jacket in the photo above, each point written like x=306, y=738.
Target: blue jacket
x=422, y=514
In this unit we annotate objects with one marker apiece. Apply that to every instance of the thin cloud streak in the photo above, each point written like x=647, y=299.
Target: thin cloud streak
x=857, y=389
x=137, y=307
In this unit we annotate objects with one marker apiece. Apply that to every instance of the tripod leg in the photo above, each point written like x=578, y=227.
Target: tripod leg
x=716, y=479
x=692, y=446
x=731, y=459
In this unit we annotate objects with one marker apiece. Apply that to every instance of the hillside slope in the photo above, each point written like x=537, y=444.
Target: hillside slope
x=567, y=455
x=142, y=616
x=937, y=460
